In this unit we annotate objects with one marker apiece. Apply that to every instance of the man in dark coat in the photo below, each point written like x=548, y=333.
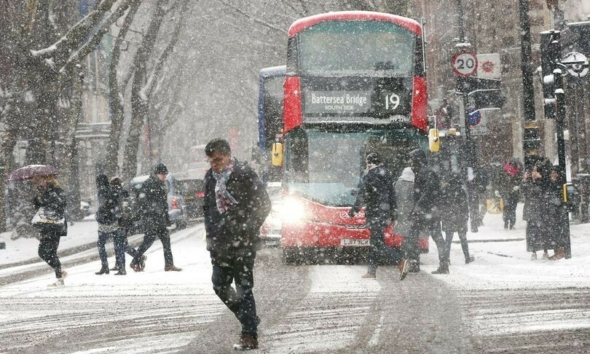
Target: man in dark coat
x=425, y=214
x=236, y=205
x=377, y=194
x=455, y=213
x=152, y=206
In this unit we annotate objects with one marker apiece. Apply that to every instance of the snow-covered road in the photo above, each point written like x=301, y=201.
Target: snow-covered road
x=504, y=302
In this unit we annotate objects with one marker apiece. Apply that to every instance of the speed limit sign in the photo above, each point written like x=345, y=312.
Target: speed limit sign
x=464, y=64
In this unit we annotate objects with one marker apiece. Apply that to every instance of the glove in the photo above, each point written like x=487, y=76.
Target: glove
x=351, y=213
x=497, y=194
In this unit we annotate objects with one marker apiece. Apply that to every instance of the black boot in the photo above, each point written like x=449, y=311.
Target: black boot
x=103, y=270
x=443, y=268
x=469, y=259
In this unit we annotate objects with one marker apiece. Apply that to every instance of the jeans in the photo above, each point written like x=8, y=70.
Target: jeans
x=231, y=268
x=48, y=251
x=122, y=246
x=103, y=237
x=149, y=238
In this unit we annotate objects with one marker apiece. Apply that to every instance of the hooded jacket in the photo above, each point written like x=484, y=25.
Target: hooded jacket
x=108, y=201
x=454, y=209
x=404, y=193
x=377, y=194
x=153, y=204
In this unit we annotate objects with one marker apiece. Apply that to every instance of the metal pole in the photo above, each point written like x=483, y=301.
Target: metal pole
x=560, y=121
x=528, y=90
x=584, y=138
x=574, y=141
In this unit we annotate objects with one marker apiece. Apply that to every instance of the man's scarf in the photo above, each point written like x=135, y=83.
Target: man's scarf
x=222, y=197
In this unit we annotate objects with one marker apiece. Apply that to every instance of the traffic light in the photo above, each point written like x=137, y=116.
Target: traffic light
x=550, y=56
x=487, y=98
x=532, y=140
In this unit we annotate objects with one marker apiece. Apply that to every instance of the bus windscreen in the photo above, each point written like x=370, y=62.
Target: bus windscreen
x=375, y=48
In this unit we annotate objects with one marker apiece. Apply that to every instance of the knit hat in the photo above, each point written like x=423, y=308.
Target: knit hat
x=373, y=159
x=161, y=169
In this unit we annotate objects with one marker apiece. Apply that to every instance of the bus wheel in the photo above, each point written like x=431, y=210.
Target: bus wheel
x=290, y=256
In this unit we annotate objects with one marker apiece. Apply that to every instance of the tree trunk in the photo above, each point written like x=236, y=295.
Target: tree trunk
x=115, y=104
x=138, y=104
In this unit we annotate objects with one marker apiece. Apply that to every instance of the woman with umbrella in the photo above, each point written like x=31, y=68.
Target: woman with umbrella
x=50, y=204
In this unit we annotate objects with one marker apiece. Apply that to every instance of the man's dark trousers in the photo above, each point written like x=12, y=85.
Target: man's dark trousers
x=149, y=238
x=378, y=249
x=411, y=243
x=236, y=267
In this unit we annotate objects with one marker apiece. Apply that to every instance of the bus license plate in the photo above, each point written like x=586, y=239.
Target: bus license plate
x=354, y=242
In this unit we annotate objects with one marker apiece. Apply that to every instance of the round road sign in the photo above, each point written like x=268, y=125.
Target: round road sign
x=474, y=117
x=464, y=64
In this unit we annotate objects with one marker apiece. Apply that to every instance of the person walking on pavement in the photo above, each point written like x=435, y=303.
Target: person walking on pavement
x=509, y=189
x=377, y=194
x=235, y=207
x=455, y=214
x=425, y=214
x=557, y=213
x=536, y=185
x=106, y=216
x=124, y=222
x=51, y=202
x=153, y=209
x=404, y=193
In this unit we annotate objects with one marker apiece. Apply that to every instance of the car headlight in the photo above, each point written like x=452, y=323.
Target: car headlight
x=293, y=210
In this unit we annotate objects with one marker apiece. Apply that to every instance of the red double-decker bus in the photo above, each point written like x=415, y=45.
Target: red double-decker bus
x=355, y=83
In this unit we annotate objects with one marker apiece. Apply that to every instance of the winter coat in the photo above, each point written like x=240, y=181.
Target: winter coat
x=535, y=191
x=125, y=214
x=509, y=186
x=237, y=229
x=404, y=193
x=426, y=192
x=376, y=193
x=152, y=204
x=454, y=209
x=53, y=201
x=108, y=205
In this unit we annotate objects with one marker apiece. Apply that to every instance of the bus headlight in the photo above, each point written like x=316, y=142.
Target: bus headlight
x=293, y=210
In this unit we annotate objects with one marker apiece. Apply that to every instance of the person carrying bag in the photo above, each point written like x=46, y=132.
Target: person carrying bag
x=50, y=220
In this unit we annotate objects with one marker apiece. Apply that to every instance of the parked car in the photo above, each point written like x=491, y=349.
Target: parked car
x=176, y=204
x=84, y=208
x=193, y=190
x=270, y=232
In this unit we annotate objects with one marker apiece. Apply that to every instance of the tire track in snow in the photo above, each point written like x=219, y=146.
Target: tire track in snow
x=329, y=316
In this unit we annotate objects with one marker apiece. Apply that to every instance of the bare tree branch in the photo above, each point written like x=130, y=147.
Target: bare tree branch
x=238, y=10
x=104, y=26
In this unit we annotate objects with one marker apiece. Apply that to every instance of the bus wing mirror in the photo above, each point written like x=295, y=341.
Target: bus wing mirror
x=433, y=140
x=277, y=154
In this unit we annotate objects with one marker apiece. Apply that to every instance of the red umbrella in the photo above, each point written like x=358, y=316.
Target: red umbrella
x=28, y=172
